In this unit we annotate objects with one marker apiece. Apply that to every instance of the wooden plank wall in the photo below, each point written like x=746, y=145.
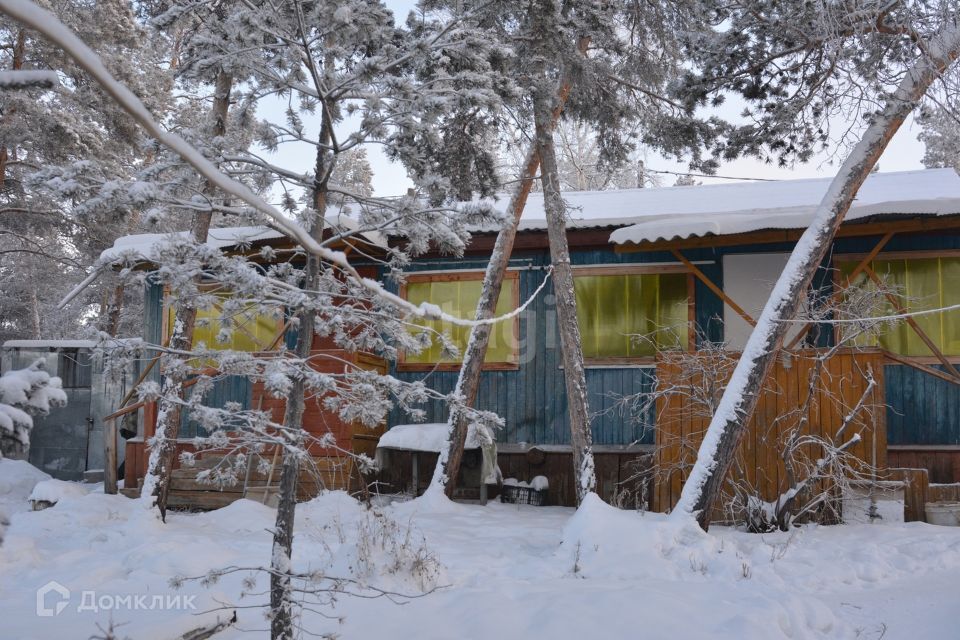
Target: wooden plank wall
x=916, y=491
x=943, y=463
x=923, y=409
x=682, y=420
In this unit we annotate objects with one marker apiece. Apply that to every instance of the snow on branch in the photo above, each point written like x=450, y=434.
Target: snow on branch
x=728, y=423
x=23, y=394
x=50, y=26
x=20, y=79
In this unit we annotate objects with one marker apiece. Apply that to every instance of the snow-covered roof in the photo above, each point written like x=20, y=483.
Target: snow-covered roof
x=48, y=344
x=430, y=436
x=141, y=246
x=683, y=212
x=737, y=207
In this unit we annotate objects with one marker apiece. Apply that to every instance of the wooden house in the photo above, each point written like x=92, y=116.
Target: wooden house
x=690, y=267
x=253, y=331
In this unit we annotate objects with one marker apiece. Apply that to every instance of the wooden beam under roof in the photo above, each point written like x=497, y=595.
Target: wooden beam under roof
x=713, y=287
x=837, y=295
x=913, y=324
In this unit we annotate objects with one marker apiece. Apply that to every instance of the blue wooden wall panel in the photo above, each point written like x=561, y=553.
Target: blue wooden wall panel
x=921, y=409
x=227, y=389
x=532, y=399
x=152, y=323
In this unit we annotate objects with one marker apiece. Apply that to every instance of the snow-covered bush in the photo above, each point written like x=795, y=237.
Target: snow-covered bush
x=25, y=393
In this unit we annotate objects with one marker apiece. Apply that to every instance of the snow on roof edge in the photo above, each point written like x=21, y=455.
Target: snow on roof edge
x=46, y=344
x=141, y=246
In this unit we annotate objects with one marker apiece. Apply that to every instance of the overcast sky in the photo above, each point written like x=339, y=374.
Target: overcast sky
x=903, y=154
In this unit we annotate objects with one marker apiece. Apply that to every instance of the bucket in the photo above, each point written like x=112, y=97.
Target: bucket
x=946, y=514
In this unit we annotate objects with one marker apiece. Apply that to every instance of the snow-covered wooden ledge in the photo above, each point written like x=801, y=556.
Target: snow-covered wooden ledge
x=430, y=438
x=524, y=447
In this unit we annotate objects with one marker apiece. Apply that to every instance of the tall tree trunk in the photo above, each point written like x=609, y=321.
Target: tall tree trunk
x=468, y=383
x=729, y=423
x=115, y=311
x=157, y=482
x=19, y=50
x=574, y=376
x=36, y=325
x=281, y=595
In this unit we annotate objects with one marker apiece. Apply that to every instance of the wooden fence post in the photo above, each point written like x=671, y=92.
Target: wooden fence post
x=110, y=456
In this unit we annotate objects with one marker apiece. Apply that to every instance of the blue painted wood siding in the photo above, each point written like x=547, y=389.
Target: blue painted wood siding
x=228, y=389
x=922, y=408
x=237, y=389
x=532, y=399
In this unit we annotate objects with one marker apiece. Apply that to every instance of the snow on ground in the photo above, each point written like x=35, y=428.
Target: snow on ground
x=54, y=490
x=17, y=480
x=503, y=571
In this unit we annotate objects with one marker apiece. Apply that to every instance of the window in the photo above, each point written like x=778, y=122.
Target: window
x=457, y=294
x=247, y=328
x=613, y=308
x=922, y=283
x=75, y=368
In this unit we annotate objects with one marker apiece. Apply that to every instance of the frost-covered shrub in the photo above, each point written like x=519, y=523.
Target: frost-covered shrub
x=25, y=393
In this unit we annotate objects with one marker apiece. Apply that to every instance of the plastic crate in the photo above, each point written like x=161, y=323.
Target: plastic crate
x=513, y=494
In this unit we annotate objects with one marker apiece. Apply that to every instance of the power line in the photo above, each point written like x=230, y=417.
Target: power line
x=895, y=316
x=707, y=175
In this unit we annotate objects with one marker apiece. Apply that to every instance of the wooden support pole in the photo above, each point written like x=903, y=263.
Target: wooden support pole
x=837, y=295
x=415, y=472
x=110, y=456
x=702, y=277
x=124, y=411
x=913, y=325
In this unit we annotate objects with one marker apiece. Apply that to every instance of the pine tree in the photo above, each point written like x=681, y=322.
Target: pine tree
x=56, y=146
x=614, y=80
x=796, y=63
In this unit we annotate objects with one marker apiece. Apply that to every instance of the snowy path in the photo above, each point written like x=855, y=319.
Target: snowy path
x=510, y=573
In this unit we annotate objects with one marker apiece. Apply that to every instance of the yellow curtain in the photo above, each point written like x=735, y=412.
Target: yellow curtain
x=459, y=298
x=251, y=328
x=921, y=283
x=612, y=309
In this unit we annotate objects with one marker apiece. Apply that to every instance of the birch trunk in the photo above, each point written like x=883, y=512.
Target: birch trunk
x=729, y=423
x=157, y=482
x=581, y=437
x=468, y=383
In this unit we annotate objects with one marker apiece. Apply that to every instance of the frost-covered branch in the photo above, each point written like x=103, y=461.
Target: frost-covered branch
x=19, y=79
x=47, y=24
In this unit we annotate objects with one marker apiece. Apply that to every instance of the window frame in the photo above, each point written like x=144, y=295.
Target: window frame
x=512, y=276
x=922, y=254
x=644, y=269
